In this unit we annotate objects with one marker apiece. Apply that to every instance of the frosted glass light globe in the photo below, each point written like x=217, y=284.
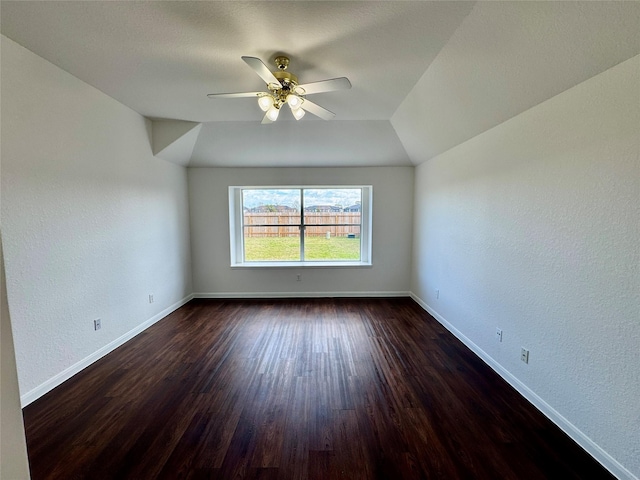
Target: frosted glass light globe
x=298, y=113
x=272, y=113
x=294, y=101
x=265, y=102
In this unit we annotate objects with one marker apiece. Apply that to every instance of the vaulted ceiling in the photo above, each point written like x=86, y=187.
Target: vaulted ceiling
x=426, y=75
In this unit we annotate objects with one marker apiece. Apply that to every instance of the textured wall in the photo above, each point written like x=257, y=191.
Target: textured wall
x=391, y=236
x=92, y=222
x=533, y=227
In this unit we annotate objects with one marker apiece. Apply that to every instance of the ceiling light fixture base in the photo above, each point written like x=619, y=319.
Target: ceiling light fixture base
x=282, y=62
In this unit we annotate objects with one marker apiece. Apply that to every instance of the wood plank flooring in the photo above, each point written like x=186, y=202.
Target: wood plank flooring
x=295, y=389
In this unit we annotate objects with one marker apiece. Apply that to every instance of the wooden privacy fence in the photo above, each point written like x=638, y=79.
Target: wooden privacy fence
x=285, y=224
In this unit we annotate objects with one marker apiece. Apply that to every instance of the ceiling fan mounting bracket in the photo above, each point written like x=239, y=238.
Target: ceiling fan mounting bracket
x=282, y=62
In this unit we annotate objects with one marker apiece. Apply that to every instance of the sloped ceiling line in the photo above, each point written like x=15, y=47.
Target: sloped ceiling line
x=507, y=57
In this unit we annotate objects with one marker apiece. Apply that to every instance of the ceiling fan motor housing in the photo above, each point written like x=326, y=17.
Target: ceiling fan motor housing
x=288, y=83
x=288, y=80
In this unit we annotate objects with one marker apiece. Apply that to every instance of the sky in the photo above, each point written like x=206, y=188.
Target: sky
x=343, y=197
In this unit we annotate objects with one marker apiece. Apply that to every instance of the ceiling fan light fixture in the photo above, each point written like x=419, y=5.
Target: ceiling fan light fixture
x=298, y=113
x=283, y=87
x=272, y=113
x=294, y=101
x=265, y=102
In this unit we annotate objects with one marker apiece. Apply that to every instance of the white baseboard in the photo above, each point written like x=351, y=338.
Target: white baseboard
x=299, y=294
x=66, y=374
x=565, y=425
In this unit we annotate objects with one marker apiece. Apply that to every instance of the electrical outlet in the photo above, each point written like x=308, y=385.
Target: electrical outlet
x=151, y=298
x=524, y=355
x=97, y=324
x=437, y=294
x=499, y=335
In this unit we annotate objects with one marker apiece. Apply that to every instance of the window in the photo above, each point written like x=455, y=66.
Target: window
x=300, y=226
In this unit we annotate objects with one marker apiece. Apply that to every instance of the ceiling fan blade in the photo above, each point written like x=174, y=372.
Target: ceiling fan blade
x=341, y=83
x=266, y=120
x=317, y=110
x=235, y=95
x=261, y=69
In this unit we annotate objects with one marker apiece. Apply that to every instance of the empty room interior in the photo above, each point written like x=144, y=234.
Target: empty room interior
x=316, y=239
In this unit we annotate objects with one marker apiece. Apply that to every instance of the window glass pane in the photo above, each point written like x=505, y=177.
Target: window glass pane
x=329, y=217
x=271, y=218
x=271, y=243
x=334, y=243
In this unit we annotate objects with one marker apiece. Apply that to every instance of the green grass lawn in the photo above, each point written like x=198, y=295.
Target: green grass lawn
x=258, y=249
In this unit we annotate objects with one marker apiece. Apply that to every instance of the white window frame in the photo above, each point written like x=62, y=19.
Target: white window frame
x=236, y=238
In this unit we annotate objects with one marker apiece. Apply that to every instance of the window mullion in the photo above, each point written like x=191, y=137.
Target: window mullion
x=302, y=225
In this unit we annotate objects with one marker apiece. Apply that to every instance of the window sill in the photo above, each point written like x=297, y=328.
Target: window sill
x=301, y=265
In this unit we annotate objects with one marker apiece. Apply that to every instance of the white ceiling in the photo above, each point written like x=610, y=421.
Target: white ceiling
x=459, y=67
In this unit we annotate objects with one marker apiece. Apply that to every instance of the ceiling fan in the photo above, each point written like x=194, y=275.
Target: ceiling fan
x=283, y=88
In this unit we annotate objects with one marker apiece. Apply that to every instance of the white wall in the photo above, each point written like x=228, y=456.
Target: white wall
x=391, y=239
x=533, y=227
x=92, y=222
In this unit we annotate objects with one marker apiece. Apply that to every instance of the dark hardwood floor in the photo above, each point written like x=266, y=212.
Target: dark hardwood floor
x=283, y=389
